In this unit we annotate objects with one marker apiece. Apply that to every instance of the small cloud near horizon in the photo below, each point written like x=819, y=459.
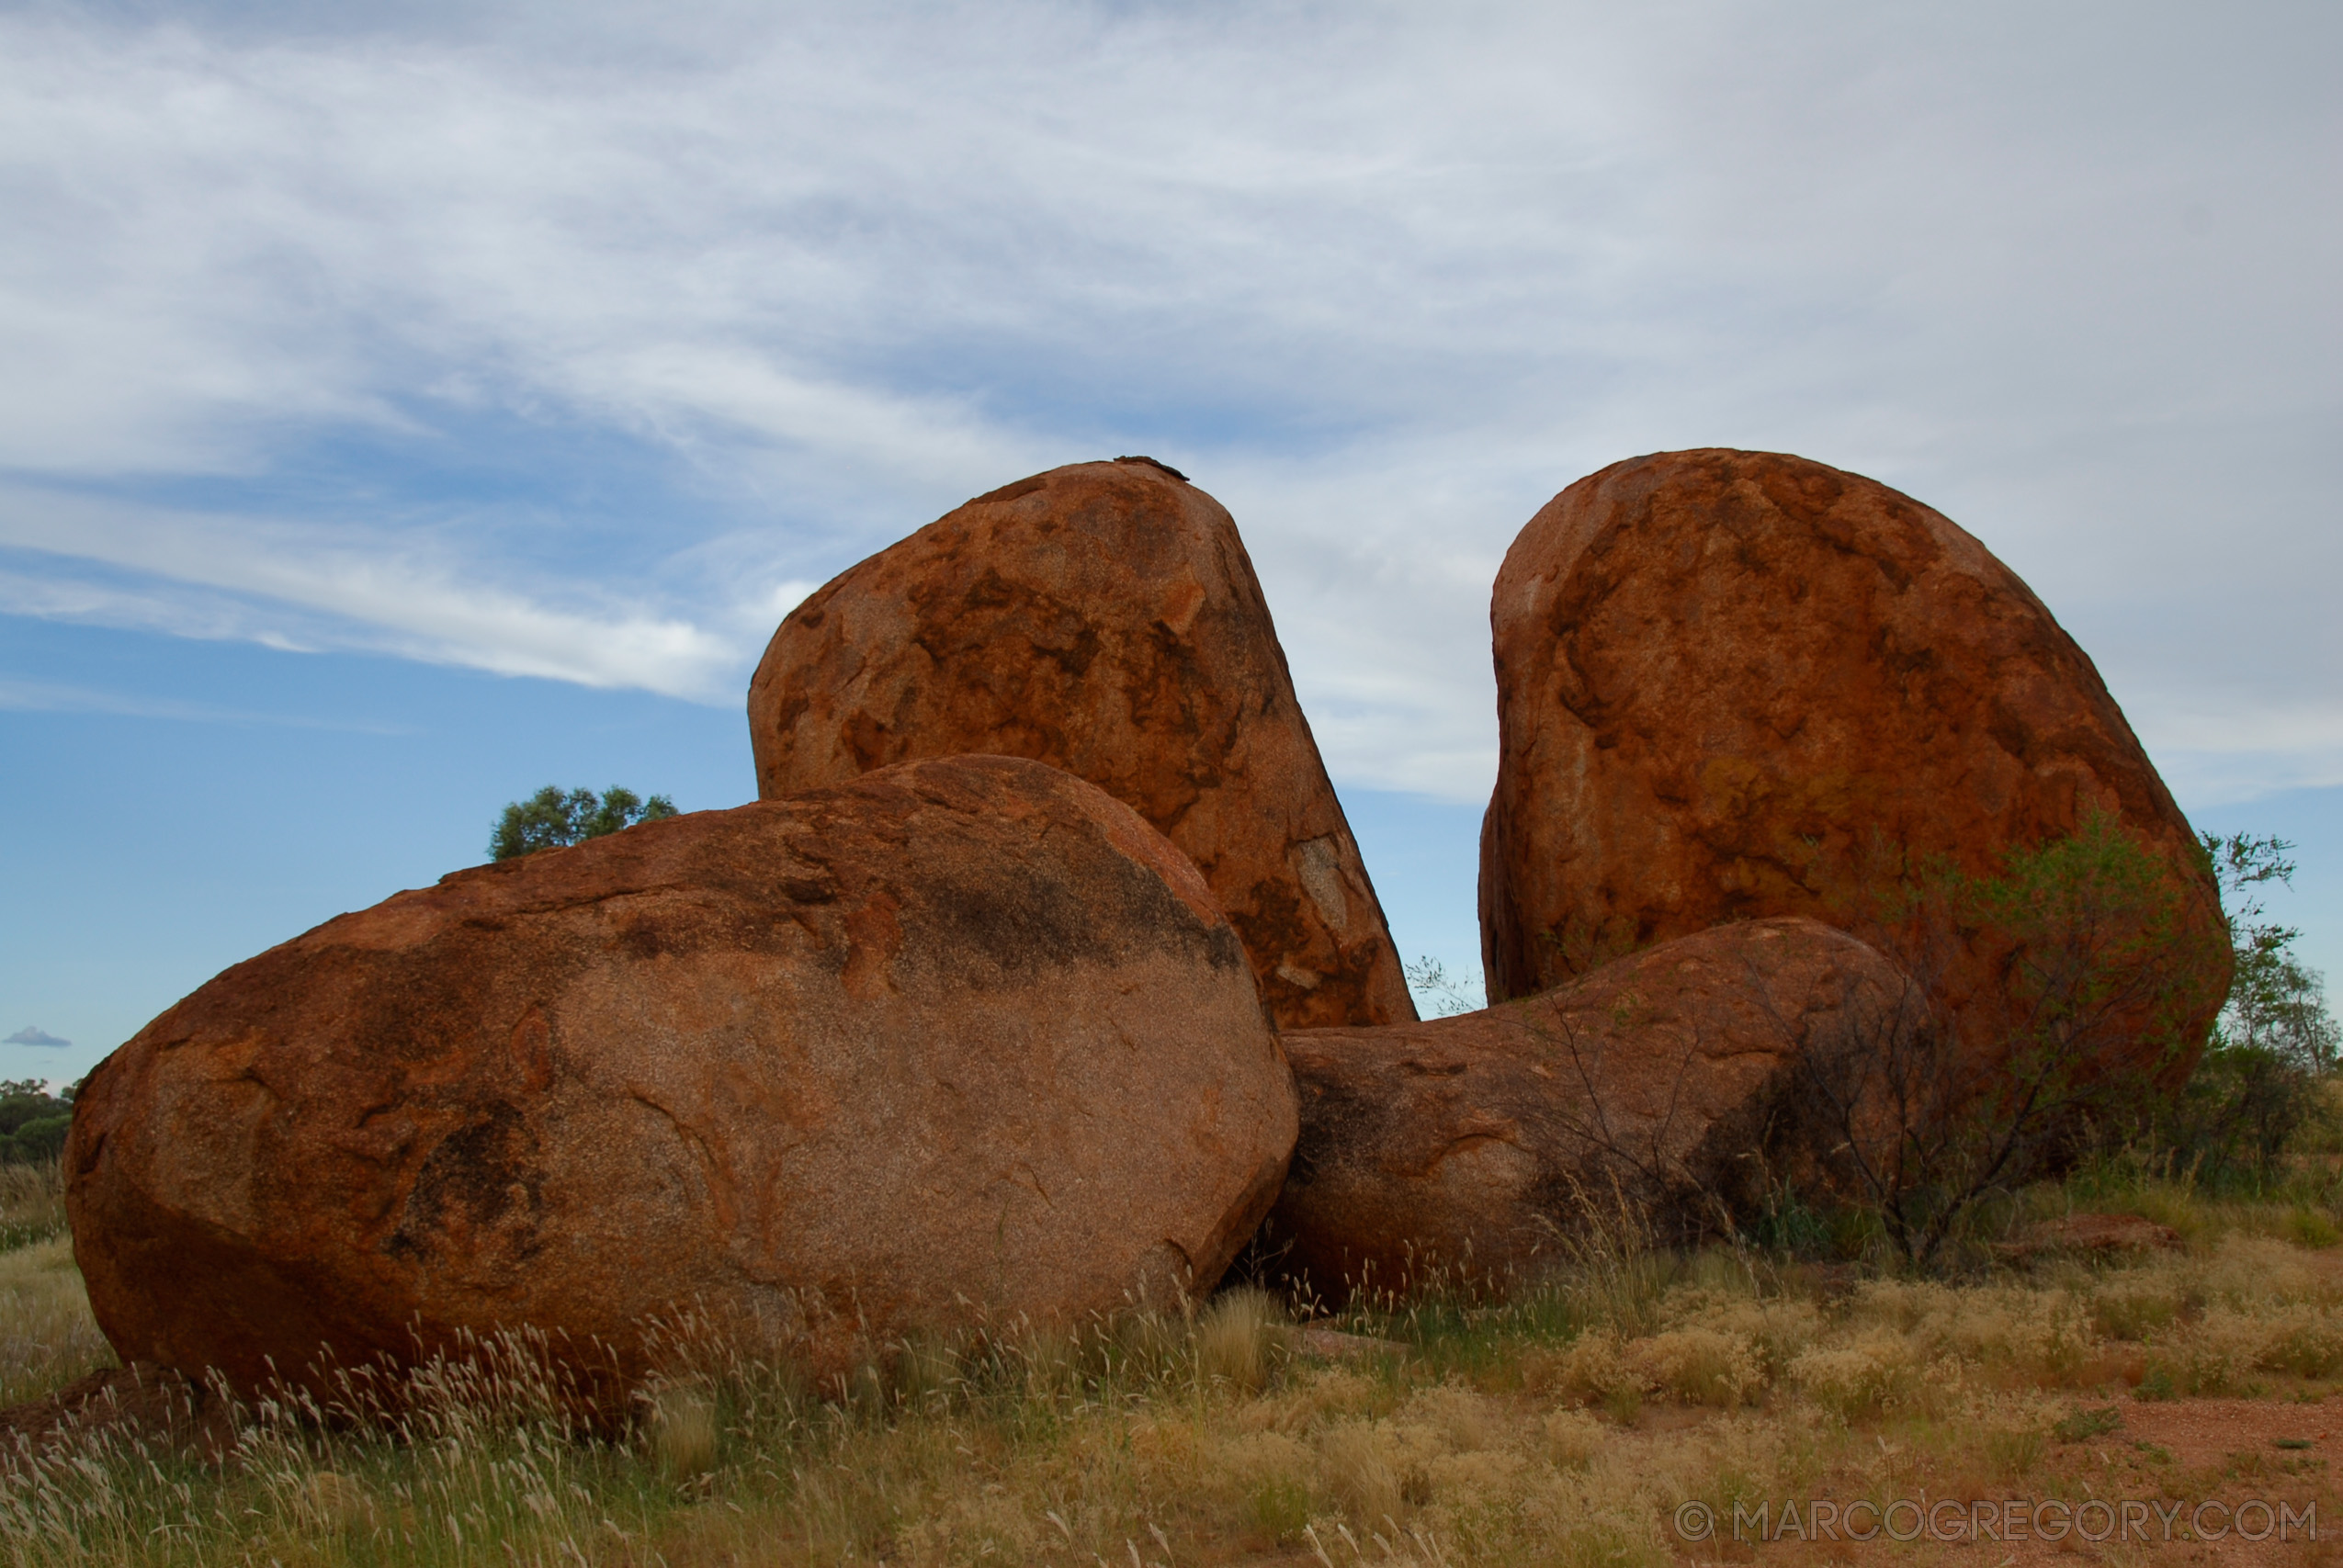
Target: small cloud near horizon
x=33, y=1034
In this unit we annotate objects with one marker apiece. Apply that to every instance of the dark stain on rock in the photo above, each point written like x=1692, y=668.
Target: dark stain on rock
x=1052, y=917
x=818, y=889
x=482, y=1180
x=1156, y=463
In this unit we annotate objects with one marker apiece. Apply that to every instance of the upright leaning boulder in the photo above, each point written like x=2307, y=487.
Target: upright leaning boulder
x=1102, y=618
x=1736, y=684
x=958, y=1043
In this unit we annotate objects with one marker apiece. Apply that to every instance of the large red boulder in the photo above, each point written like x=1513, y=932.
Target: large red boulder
x=1735, y=684
x=1102, y=618
x=1652, y=1092
x=957, y=1044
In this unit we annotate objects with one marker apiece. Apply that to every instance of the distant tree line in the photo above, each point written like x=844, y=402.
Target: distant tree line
x=32, y=1122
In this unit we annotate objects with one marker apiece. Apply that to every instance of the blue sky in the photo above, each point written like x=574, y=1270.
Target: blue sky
x=401, y=407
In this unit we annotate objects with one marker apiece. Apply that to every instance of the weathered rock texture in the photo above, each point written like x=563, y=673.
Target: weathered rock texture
x=1102, y=618
x=1473, y=1146
x=1733, y=684
x=956, y=1042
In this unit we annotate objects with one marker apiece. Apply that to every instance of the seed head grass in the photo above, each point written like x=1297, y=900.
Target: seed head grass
x=1559, y=1419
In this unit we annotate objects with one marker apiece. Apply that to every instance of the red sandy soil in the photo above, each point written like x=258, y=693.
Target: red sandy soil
x=2184, y=1451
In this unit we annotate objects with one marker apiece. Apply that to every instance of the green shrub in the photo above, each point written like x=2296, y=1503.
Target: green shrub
x=32, y=1122
x=36, y=1141
x=2108, y=969
x=2262, y=1084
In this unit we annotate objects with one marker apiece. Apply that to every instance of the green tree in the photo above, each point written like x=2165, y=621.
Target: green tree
x=2107, y=970
x=2256, y=1085
x=2276, y=1003
x=550, y=819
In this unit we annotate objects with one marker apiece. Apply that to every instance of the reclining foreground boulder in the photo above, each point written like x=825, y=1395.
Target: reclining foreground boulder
x=1471, y=1147
x=1737, y=685
x=1102, y=618
x=960, y=1043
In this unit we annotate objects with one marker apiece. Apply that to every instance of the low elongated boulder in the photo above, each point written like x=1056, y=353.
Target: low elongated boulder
x=1102, y=618
x=1736, y=684
x=1651, y=1090
x=958, y=1044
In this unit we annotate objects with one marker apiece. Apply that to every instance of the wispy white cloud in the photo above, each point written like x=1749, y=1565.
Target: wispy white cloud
x=53, y=696
x=2220, y=747
x=1384, y=279
x=301, y=587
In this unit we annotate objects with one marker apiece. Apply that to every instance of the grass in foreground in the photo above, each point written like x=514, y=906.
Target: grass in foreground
x=1563, y=1425
x=47, y=1336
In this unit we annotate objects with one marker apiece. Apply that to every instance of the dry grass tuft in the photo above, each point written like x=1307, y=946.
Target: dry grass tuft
x=1700, y=1365
x=1239, y=1339
x=1572, y=1437
x=335, y=1503
x=47, y=1335
x=681, y=1428
x=32, y=1204
x=1562, y=1423
x=1595, y=1367
x=1863, y=1374
x=1359, y=1466
x=929, y=1368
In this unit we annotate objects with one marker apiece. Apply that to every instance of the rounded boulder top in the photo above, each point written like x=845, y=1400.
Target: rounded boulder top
x=1106, y=619
x=1736, y=684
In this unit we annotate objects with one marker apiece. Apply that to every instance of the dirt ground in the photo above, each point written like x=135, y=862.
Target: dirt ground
x=2164, y=1458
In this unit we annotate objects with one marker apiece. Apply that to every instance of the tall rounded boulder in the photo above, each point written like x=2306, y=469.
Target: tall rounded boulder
x=1102, y=618
x=959, y=1043
x=1477, y=1146
x=1736, y=684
